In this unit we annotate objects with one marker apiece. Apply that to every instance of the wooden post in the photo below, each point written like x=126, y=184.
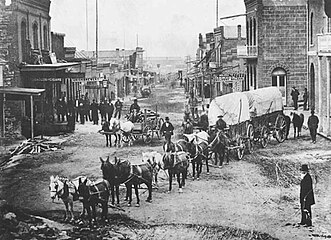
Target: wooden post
x=3, y=115
x=32, y=116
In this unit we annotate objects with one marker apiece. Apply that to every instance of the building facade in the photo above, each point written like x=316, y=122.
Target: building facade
x=276, y=46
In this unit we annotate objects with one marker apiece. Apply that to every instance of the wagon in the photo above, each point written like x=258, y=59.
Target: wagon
x=145, y=91
x=252, y=116
x=149, y=124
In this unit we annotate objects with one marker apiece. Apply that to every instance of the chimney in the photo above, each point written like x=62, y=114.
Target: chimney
x=117, y=53
x=239, y=32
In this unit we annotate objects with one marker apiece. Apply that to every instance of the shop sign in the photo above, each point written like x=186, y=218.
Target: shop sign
x=47, y=80
x=324, y=44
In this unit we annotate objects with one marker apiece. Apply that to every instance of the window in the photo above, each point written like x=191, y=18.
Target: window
x=278, y=77
x=328, y=28
x=247, y=32
x=254, y=32
x=311, y=29
x=45, y=38
x=250, y=32
x=23, y=39
x=35, y=36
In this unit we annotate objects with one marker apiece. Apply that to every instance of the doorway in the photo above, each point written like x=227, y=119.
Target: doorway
x=279, y=78
x=311, y=99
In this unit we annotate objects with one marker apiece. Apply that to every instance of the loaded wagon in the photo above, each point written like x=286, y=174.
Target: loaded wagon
x=252, y=117
x=147, y=125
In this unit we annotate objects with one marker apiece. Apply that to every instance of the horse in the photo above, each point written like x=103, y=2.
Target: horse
x=176, y=163
x=218, y=144
x=110, y=128
x=125, y=172
x=297, y=121
x=155, y=160
x=199, y=152
x=93, y=194
x=67, y=191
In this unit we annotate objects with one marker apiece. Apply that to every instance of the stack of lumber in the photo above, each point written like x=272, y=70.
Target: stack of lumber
x=34, y=146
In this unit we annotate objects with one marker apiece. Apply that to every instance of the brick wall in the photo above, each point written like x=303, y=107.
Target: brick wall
x=282, y=43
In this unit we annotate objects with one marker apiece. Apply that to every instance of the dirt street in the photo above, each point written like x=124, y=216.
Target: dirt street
x=255, y=198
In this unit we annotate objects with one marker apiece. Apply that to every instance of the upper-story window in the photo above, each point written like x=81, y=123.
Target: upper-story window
x=45, y=31
x=328, y=27
x=311, y=29
x=35, y=36
x=23, y=39
x=254, y=32
x=247, y=32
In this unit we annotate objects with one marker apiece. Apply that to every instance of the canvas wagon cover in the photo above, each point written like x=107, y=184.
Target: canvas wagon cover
x=264, y=100
x=234, y=107
x=240, y=106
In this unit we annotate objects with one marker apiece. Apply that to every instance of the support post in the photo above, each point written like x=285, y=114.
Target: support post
x=320, y=115
x=32, y=116
x=3, y=116
x=328, y=96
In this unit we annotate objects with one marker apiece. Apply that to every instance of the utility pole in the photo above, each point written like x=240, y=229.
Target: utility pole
x=86, y=8
x=96, y=32
x=216, y=13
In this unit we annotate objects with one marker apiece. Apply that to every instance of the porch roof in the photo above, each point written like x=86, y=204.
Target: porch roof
x=47, y=67
x=21, y=91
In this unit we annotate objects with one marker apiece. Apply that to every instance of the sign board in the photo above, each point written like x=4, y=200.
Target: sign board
x=324, y=44
x=47, y=79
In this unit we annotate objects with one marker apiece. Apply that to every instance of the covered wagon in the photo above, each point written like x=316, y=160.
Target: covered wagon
x=252, y=117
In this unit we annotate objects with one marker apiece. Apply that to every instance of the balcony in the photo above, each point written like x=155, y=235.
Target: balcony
x=324, y=44
x=247, y=51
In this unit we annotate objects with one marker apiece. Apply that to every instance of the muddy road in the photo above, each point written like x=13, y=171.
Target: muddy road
x=255, y=198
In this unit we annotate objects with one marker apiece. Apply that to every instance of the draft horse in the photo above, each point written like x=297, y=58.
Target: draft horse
x=93, y=194
x=218, y=144
x=66, y=190
x=176, y=164
x=297, y=121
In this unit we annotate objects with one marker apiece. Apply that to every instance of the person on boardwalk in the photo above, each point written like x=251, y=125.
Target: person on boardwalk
x=167, y=130
x=94, y=112
x=295, y=95
x=221, y=124
x=305, y=99
x=109, y=109
x=313, y=125
x=306, y=196
x=118, y=108
x=187, y=126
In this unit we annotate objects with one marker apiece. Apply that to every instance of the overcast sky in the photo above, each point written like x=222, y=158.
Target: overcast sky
x=164, y=27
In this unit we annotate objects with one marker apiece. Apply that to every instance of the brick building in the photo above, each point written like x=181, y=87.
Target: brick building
x=276, y=46
x=319, y=59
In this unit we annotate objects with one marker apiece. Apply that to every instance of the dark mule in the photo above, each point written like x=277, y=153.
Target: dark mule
x=176, y=163
x=124, y=172
x=108, y=131
x=297, y=121
x=218, y=144
x=109, y=172
x=93, y=194
x=198, y=153
x=169, y=146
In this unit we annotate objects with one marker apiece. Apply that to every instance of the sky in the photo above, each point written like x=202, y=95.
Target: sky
x=164, y=28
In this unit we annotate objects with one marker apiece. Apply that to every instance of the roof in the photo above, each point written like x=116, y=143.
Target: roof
x=21, y=91
x=47, y=67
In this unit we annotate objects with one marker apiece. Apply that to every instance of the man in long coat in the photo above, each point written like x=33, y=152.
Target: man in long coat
x=313, y=125
x=306, y=196
x=94, y=111
x=167, y=129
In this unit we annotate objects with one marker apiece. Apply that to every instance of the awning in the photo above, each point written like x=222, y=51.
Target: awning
x=21, y=91
x=47, y=67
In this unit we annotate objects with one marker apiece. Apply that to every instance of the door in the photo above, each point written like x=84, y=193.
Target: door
x=279, y=80
x=311, y=99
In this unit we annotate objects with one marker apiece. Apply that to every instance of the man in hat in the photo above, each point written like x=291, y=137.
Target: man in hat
x=306, y=196
x=295, y=94
x=313, y=125
x=118, y=108
x=221, y=124
x=134, y=110
x=167, y=129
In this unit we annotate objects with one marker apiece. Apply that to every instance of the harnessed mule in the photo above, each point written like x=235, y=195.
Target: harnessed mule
x=155, y=160
x=218, y=144
x=92, y=194
x=176, y=164
x=66, y=190
x=198, y=153
x=109, y=129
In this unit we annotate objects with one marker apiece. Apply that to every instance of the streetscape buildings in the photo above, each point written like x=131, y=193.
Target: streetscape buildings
x=288, y=44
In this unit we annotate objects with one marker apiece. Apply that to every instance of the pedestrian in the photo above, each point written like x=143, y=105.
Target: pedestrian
x=118, y=108
x=87, y=108
x=109, y=109
x=134, y=110
x=295, y=95
x=94, y=112
x=305, y=99
x=59, y=110
x=102, y=109
x=203, y=122
x=81, y=109
x=167, y=130
x=187, y=126
x=313, y=125
x=306, y=196
x=221, y=124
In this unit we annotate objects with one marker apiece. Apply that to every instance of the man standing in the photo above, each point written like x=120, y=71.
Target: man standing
x=295, y=94
x=94, y=111
x=220, y=124
x=134, y=110
x=109, y=109
x=313, y=125
x=118, y=108
x=167, y=129
x=306, y=196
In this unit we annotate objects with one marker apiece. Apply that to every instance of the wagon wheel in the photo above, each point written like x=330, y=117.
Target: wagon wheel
x=264, y=137
x=250, y=138
x=241, y=148
x=159, y=125
x=147, y=134
x=281, y=128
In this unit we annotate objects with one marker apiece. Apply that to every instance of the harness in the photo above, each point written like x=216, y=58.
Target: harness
x=132, y=174
x=62, y=193
x=98, y=192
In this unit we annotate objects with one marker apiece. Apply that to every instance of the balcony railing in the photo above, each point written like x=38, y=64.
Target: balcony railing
x=247, y=51
x=324, y=44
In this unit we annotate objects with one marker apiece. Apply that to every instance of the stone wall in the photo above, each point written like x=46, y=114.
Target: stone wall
x=282, y=42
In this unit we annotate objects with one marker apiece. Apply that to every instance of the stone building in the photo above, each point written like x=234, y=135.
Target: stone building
x=319, y=58
x=276, y=46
